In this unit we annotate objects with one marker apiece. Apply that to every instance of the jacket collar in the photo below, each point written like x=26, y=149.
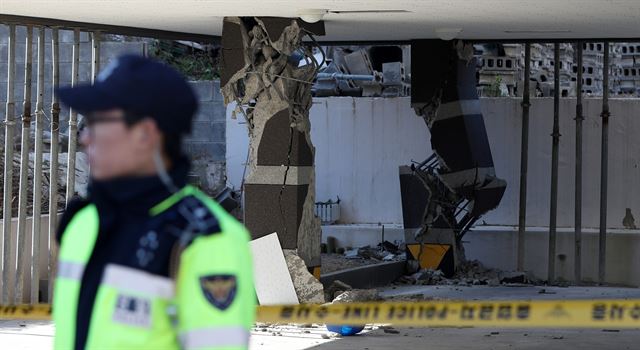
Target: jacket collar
x=135, y=194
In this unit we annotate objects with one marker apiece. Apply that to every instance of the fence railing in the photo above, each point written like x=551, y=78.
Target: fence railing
x=328, y=212
x=28, y=249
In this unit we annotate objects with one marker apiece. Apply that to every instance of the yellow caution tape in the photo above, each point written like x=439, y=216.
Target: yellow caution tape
x=25, y=312
x=511, y=313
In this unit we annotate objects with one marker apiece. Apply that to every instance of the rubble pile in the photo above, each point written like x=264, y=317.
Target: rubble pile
x=307, y=287
x=337, y=259
x=385, y=251
x=82, y=178
x=470, y=273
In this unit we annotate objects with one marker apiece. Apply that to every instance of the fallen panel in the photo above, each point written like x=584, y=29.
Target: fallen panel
x=272, y=279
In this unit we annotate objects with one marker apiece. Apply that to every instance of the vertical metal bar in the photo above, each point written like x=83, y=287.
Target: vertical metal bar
x=53, y=168
x=604, y=167
x=524, y=156
x=578, y=195
x=73, y=120
x=95, y=55
x=23, y=253
x=554, y=165
x=8, y=264
x=37, y=170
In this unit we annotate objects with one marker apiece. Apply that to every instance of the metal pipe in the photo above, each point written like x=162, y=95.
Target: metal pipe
x=604, y=167
x=8, y=264
x=524, y=156
x=24, y=167
x=37, y=169
x=554, y=165
x=53, y=163
x=578, y=194
x=95, y=56
x=73, y=121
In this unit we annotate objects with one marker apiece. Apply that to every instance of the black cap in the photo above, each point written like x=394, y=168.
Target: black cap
x=138, y=85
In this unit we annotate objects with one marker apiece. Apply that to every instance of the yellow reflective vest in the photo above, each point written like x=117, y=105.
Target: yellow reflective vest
x=207, y=301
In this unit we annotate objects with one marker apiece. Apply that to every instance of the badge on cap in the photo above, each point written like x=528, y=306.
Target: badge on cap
x=219, y=290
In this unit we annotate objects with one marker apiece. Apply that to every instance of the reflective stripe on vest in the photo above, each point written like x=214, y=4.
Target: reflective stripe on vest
x=128, y=279
x=212, y=338
x=70, y=270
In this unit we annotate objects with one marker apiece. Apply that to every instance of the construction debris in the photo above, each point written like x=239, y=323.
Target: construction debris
x=338, y=262
x=470, y=273
x=81, y=180
x=357, y=296
x=273, y=282
x=363, y=256
x=307, y=287
x=336, y=288
x=385, y=251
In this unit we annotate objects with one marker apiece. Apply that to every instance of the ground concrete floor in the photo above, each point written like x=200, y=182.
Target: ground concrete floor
x=39, y=335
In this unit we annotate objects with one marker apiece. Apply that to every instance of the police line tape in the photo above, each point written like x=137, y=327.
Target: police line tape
x=512, y=313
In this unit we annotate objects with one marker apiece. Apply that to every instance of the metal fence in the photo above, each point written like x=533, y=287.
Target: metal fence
x=25, y=263
x=328, y=212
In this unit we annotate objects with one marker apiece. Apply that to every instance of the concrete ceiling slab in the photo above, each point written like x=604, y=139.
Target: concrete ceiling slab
x=486, y=19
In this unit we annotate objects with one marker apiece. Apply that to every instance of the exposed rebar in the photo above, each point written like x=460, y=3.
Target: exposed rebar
x=8, y=261
x=524, y=156
x=578, y=191
x=37, y=170
x=553, y=207
x=604, y=168
x=73, y=121
x=23, y=253
x=53, y=160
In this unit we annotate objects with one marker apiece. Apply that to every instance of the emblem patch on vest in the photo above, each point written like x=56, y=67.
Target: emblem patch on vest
x=219, y=290
x=133, y=311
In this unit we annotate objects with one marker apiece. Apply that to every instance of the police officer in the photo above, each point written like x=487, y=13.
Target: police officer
x=147, y=261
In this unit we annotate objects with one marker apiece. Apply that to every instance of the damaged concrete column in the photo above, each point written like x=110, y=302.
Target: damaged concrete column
x=444, y=196
x=262, y=75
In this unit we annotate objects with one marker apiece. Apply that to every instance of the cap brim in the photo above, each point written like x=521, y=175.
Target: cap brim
x=86, y=98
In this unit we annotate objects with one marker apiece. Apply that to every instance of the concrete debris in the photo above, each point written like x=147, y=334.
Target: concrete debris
x=352, y=254
x=629, y=221
x=338, y=262
x=514, y=277
x=308, y=288
x=389, y=257
x=336, y=288
x=470, y=273
x=357, y=296
x=81, y=180
x=385, y=251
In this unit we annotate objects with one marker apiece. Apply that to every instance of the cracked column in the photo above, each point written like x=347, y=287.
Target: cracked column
x=261, y=74
x=444, y=196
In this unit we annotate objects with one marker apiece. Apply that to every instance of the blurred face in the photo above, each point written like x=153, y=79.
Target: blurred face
x=115, y=149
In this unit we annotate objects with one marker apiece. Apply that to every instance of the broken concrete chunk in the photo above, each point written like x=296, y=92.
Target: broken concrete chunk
x=389, y=257
x=308, y=288
x=336, y=288
x=357, y=295
x=390, y=247
x=513, y=277
x=352, y=254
